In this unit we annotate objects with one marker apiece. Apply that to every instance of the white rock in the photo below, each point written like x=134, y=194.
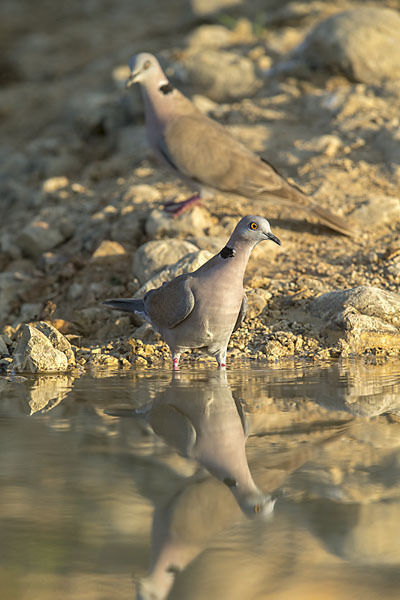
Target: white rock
x=37, y=237
x=195, y=221
x=154, y=256
x=187, y=264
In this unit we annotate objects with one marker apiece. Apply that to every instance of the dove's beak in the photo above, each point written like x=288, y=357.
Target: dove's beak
x=273, y=238
x=131, y=80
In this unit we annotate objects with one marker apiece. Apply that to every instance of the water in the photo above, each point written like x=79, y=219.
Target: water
x=82, y=470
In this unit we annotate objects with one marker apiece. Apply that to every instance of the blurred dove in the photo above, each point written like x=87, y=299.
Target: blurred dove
x=204, y=154
x=202, y=309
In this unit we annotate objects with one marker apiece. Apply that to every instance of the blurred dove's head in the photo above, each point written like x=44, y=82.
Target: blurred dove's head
x=257, y=505
x=254, y=229
x=145, y=68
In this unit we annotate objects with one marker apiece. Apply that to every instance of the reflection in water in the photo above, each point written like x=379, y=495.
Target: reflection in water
x=78, y=486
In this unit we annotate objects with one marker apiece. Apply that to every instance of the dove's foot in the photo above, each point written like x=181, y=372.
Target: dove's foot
x=177, y=208
x=175, y=362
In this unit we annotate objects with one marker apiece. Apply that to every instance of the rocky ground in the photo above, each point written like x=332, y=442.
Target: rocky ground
x=81, y=194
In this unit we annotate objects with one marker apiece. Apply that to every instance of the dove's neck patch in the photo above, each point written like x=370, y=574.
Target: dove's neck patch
x=166, y=88
x=227, y=252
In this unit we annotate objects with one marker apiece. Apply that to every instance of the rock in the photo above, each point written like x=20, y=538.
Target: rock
x=215, y=36
x=154, y=256
x=37, y=237
x=53, y=184
x=129, y=226
x=58, y=341
x=222, y=76
x=12, y=285
x=141, y=193
x=105, y=361
x=187, y=264
x=3, y=347
x=257, y=301
x=108, y=251
x=368, y=317
x=160, y=223
x=75, y=291
x=35, y=353
x=96, y=112
x=361, y=43
x=377, y=211
x=207, y=7
x=30, y=311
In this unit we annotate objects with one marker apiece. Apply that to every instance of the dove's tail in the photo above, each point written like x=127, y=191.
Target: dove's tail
x=332, y=221
x=126, y=304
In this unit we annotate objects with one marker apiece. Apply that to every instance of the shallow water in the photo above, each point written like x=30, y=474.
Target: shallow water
x=85, y=461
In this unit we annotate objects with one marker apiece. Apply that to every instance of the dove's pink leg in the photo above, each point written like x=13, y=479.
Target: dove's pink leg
x=175, y=361
x=177, y=208
x=221, y=359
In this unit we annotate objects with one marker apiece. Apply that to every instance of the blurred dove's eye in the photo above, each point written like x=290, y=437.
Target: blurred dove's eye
x=146, y=64
x=257, y=508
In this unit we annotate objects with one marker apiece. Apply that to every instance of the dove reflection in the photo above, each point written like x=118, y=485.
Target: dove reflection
x=209, y=426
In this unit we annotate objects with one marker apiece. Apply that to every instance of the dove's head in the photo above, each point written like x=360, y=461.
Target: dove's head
x=145, y=69
x=254, y=230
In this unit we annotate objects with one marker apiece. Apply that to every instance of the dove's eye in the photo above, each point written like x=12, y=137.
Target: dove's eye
x=146, y=64
x=253, y=226
x=257, y=508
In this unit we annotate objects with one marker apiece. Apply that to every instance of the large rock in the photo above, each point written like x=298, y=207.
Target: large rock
x=35, y=353
x=367, y=316
x=361, y=43
x=39, y=236
x=57, y=340
x=221, y=75
x=187, y=264
x=154, y=256
x=192, y=222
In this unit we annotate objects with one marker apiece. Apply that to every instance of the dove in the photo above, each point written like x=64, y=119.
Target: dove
x=204, y=154
x=203, y=308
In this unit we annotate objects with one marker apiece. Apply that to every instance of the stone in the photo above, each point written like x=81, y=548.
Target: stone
x=30, y=311
x=36, y=354
x=197, y=220
x=221, y=75
x=37, y=237
x=75, y=291
x=108, y=250
x=53, y=184
x=366, y=316
x=361, y=43
x=215, y=36
x=154, y=256
x=187, y=264
x=257, y=302
x=104, y=360
x=3, y=347
x=377, y=211
x=129, y=226
x=132, y=143
x=58, y=341
x=12, y=285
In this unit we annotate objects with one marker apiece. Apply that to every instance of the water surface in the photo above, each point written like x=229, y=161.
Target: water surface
x=258, y=483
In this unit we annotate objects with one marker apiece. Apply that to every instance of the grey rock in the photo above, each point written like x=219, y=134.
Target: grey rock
x=3, y=347
x=12, y=285
x=129, y=227
x=221, y=75
x=132, y=143
x=36, y=354
x=30, y=311
x=75, y=291
x=215, y=36
x=368, y=316
x=160, y=223
x=37, y=237
x=361, y=43
x=188, y=263
x=154, y=256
